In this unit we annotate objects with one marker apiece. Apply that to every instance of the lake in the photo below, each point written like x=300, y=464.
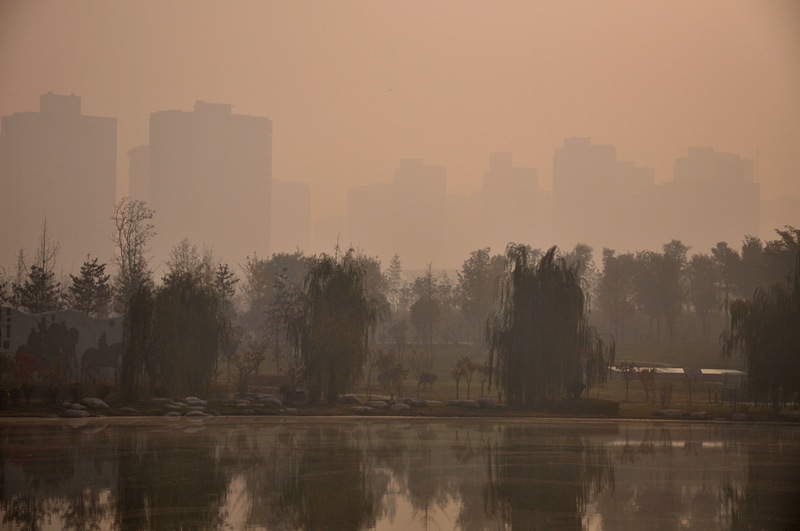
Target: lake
x=397, y=473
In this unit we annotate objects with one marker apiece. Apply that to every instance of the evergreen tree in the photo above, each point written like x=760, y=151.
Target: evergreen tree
x=394, y=282
x=90, y=292
x=40, y=291
x=36, y=289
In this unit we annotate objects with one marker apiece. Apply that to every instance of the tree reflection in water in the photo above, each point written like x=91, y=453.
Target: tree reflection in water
x=39, y=465
x=771, y=461
x=329, y=487
x=168, y=480
x=288, y=474
x=543, y=480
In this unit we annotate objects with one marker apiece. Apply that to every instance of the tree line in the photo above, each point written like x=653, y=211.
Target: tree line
x=321, y=320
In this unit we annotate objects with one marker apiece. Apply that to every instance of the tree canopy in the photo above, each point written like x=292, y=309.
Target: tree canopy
x=765, y=330
x=540, y=344
x=172, y=338
x=90, y=291
x=336, y=314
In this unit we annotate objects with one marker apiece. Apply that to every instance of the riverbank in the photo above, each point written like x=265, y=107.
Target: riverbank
x=352, y=405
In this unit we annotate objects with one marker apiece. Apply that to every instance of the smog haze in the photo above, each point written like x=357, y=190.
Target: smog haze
x=353, y=89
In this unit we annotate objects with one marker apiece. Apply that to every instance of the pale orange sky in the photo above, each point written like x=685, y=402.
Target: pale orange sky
x=353, y=87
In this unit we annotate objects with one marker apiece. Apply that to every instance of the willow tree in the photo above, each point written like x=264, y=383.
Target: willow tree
x=336, y=315
x=765, y=330
x=540, y=344
x=172, y=338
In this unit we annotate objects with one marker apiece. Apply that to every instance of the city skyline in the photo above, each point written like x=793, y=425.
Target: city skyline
x=207, y=172
x=357, y=87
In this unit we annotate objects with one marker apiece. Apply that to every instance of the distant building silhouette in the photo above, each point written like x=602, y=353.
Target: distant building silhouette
x=328, y=232
x=598, y=199
x=713, y=197
x=407, y=217
x=291, y=216
x=209, y=175
x=512, y=208
x=61, y=165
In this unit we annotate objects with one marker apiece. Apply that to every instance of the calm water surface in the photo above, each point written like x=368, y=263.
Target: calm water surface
x=397, y=473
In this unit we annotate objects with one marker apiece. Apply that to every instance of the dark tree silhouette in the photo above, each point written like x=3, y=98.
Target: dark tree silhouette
x=765, y=330
x=173, y=336
x=615, y=291
x=478, y=282
x=90, y=292
x=426, y=310
x=540, y=343
x=335, y=316
x=40, y=292
x=704, y=282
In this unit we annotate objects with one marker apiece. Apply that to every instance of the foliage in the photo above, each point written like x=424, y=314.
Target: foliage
x=539, y=341
x=172, y=338
x=90, y=292
x=779, y=255
x=581, y=258
x=704, y=288
x=132, y=233
x=465, y=368
x=428, y=305
x=616, y=295
x=40, y=292
x=765, y=331
x=478, y=282
x=247, y=364
x=185, y=259
x=659, y=282
x=4, y=294
x=394, y=282
x=335, y=316
x=392, y=372
x=271, y=290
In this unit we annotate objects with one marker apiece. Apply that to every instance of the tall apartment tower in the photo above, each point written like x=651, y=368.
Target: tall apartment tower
x=597, y=199
x=209, y=175
x=407, y=216
x=513, y=209
x=60, y=165
x=713, y=197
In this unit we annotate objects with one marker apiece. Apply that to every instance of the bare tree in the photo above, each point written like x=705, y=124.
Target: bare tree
x=132, y=233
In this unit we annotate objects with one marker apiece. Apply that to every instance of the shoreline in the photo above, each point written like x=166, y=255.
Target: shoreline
x=147, y=411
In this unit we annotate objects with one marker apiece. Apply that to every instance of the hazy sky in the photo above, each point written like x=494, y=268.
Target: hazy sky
x=352, y=87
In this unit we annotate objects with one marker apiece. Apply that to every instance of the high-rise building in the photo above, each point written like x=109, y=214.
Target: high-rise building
x=60, y=165
x=513, y=209
x=209, y=180
x=714, y=197
x=596, y=198
x=406, y=217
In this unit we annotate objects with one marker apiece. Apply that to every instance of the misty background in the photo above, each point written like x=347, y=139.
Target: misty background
x=428, y=130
